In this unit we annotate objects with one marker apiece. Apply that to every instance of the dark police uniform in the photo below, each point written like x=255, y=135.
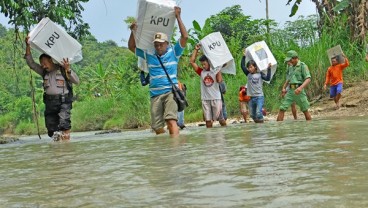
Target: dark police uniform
x=58, y=95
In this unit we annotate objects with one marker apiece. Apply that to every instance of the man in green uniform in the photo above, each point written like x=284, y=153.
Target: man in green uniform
x=298, y=78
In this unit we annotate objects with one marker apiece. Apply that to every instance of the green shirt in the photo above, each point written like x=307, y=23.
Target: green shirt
x=298, y=74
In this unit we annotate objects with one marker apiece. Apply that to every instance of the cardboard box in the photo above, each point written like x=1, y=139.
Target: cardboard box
x=336, y=51
x=261, y=54
x=154, y=16
x=217, y=52
x=49, y=38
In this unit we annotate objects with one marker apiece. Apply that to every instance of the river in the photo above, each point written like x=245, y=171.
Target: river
x=322, y=163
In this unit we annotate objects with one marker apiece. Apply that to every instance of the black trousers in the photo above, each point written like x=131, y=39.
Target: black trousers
x=57, y=115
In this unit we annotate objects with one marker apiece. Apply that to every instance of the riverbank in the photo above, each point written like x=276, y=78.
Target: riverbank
x=8, y=139
x=354, y=102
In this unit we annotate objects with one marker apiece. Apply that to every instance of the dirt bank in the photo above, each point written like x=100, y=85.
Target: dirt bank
x=354, y=102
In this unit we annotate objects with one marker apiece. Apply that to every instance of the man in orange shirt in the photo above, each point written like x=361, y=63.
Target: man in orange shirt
x=334, y=78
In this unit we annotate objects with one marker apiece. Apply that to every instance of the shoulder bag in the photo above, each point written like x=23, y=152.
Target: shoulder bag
x=179, y=96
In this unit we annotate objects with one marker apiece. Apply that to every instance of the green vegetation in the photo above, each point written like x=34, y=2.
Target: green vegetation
x=110, y=95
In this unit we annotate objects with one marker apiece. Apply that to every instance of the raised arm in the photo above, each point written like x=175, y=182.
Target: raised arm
x=30, y=62
x=183, y=31
x=346, y=62
x=243, y=67
x=71, y=75
x=131, y=42
x=219, y=77
x=268, y=76
x=193, y=58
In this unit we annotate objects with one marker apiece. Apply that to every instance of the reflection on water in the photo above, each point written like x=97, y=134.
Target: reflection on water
x=322, y=163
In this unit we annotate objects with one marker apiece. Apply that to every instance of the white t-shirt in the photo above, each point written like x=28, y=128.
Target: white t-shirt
x=210, y=89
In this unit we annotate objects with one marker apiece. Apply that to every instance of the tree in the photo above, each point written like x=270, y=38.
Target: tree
x=25, y=13
x=330, y=13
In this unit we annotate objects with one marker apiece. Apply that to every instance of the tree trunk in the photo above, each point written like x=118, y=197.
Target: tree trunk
x=357, y=13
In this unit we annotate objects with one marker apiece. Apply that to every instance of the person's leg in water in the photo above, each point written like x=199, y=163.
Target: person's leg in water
x=259, y=109
x=218, y=112
x=65, y=120
x=243, y=110
x=293, y=111
x=289, y=99
x=280, y=116
x=307, y=115
x=303, y=103
x=253, y=108
x=173, y=127
x=207, y=112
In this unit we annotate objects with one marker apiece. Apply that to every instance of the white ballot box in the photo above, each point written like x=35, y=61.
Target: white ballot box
x=217, y=52
x=336, y=51
x=51, y=39
x=261, y=54
x=154, y=16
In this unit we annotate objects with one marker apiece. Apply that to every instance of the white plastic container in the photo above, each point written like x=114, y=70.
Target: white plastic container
x=261, y=54
x=49, y=38
x=217, y=52
x=154, y=16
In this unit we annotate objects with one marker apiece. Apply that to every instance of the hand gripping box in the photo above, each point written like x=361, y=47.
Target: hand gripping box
x=261, y=54
x=217, y=52
x=336, y=51
x=154, y=16
x=49, y=38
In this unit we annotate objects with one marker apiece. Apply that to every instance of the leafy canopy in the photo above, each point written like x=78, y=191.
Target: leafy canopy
x=25, y=13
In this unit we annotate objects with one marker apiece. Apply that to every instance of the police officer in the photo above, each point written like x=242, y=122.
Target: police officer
x=298, y=78
x=58, y=92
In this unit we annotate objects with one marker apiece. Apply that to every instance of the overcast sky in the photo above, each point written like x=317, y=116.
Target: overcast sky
x=105, y=17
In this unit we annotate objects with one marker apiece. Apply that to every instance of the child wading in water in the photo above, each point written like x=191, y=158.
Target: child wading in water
x=210, y=90
x=255, y=88
x=243, y=102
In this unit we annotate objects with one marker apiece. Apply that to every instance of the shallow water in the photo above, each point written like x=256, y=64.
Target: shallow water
x=322, y=163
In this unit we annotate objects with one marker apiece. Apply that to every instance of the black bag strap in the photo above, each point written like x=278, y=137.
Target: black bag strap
x=159, y=59
x=69, y=85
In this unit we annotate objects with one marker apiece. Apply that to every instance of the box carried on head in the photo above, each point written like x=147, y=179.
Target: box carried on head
x=217, y=52
x=336, y=52
x=154, y=16
x=261, y=54
x=51, y=39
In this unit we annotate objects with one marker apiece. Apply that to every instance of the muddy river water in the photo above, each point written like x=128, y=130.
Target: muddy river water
x=323, y=163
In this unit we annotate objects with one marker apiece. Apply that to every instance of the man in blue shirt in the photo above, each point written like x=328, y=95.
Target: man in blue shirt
x=163, y=107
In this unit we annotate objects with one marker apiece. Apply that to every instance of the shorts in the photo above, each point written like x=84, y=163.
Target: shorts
x=335, y=89
x=301, y=100
x=243, y=106
x=212, y=110
x=163, y=107
x=255, y=108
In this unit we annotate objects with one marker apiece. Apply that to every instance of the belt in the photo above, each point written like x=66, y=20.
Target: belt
x=51, y=97
x=294, y=86
x=56, y=97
